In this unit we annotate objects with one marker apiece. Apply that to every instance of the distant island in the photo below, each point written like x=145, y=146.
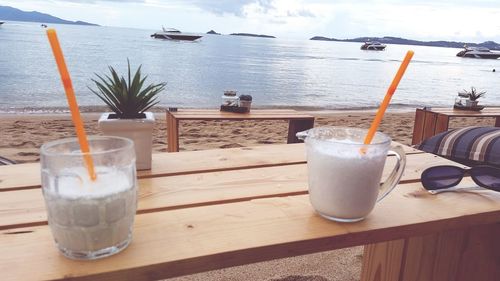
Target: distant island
x=213, y=32
x=12, y=14
x=401, y=41
x=252, y=35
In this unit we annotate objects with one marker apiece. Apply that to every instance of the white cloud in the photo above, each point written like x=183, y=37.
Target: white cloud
x=459, y=20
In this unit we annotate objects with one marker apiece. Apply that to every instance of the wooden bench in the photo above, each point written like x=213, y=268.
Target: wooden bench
x=431, y=122
x=296, y=121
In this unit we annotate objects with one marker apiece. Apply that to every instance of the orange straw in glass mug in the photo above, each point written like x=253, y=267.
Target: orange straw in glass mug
x=73, y=106
x=387, y=98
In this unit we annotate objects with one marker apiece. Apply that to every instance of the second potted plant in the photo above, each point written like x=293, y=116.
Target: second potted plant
x=129, y=99
x=472, y=96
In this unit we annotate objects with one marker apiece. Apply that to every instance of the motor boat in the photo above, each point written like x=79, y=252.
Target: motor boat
x=375, y=46
x=1, y=22
x=478, y=52
x=174, y=34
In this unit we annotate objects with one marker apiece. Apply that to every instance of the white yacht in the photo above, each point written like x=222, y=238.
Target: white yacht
x=174, y=34
x=478, y=52
x=375, y=46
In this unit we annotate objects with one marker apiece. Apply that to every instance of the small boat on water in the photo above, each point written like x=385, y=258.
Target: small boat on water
x=2, y=22
x=374, y=46
x=174, y=34
x=478, y=52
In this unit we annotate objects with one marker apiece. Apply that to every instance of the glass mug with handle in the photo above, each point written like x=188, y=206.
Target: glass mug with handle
x=344, y=174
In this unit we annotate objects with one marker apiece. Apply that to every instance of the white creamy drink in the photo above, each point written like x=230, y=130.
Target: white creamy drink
x=344, y=183
x=344, y=173
x=91, y=219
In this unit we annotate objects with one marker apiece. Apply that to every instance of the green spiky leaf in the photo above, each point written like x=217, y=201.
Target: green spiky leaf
x=129, y=98
x=473, y=94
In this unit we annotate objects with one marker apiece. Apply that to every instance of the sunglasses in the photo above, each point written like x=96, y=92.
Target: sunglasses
x=442, y=177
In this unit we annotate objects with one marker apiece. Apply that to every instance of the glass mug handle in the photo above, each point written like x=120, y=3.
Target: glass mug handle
x=393, y=179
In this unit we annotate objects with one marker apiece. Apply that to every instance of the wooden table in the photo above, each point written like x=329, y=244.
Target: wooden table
x=431, y=122
x=296, y=121
x=211, y=209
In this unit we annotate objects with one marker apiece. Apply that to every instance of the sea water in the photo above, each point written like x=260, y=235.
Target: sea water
x=344, y=181
x=91, y=219
x=281, y=72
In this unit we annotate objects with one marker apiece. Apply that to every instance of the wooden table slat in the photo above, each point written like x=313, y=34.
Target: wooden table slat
x=210, y=117
x=254, y=114
x=204, y=110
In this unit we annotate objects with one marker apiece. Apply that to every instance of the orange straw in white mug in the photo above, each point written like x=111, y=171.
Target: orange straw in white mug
x=387, y=98
x=73, y=106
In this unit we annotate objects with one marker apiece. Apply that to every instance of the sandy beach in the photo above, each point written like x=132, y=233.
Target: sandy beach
x=22, y=136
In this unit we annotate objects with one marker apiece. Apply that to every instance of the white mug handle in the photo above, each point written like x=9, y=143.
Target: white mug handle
x=393, y=179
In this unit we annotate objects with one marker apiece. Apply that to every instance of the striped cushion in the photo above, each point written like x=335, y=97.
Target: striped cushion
x=5, y=161
x=475, y=145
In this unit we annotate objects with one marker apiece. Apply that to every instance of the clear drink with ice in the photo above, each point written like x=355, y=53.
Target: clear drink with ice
x=344, y=174
x=90, y=219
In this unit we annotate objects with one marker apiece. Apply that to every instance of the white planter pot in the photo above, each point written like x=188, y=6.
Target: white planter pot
x=138, y=130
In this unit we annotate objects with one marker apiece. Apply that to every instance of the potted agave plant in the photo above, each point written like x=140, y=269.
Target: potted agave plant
x=129, y=99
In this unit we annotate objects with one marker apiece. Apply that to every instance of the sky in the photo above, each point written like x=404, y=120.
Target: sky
x=427, y=20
